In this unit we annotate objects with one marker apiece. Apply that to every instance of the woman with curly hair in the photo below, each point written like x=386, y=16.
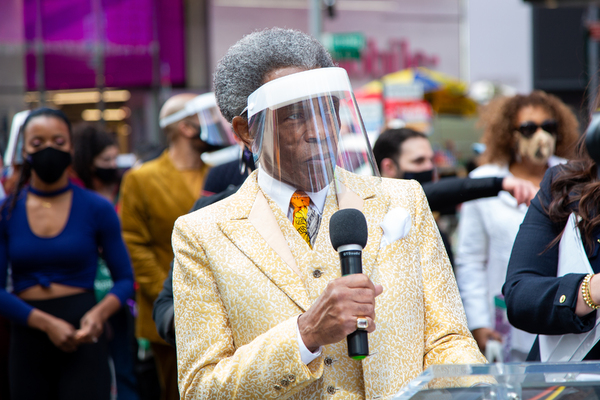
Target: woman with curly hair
x=537, y=299
x=523, y=135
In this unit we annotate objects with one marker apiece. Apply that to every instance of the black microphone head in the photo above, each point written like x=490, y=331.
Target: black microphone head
x=592, y=139
x=348, y=226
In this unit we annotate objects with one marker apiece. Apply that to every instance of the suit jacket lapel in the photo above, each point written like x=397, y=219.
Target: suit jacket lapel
x=262, y=218
x=375, y=208
x=255, y=232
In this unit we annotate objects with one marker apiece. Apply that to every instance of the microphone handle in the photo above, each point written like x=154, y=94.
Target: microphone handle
x=358, y=344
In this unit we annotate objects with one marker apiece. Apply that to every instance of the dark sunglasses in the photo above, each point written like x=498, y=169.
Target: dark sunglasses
x=529, y=128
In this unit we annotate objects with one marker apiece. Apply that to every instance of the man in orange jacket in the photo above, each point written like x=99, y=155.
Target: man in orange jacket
x=153, y=196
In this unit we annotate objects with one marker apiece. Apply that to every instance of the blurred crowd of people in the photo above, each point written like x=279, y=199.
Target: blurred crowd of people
x=85, y=251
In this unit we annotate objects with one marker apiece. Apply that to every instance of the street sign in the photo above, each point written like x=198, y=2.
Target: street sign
x=343, y=46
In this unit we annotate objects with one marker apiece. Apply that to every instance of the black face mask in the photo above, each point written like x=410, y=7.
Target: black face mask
x=421, y=177
x=107, y=175
x=49, y=164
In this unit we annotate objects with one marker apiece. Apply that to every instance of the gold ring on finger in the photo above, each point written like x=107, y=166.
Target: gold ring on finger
x=362, y=323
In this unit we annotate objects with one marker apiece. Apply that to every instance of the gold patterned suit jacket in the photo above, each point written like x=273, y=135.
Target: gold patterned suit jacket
x=243, y=275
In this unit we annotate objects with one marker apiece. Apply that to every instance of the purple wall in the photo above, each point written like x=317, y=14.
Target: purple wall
x=11, y=15
x=69, y=30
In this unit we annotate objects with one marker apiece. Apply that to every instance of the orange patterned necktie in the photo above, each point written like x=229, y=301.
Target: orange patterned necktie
x=300, y=202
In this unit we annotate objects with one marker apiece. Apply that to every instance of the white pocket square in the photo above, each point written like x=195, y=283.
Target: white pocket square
x=396, y=225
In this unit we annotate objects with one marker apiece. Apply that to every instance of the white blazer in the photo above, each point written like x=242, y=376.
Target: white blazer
x=486, y=232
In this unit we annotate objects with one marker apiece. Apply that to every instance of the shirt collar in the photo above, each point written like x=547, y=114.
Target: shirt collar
x=282, y=193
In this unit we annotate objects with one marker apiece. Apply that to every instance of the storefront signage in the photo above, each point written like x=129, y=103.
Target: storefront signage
x=375, y=62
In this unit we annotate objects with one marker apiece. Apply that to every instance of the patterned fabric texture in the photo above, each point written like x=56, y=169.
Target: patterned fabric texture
x=305, y=219
x=300, y=202
x=313, y=223
x=237, y=300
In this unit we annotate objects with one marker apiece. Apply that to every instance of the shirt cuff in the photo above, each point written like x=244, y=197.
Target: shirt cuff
x=305, y=354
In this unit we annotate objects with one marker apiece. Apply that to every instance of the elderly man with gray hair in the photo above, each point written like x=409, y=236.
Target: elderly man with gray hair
x=261, y=307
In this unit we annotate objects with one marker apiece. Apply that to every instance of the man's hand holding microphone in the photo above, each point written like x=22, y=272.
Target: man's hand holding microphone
x=346, y=308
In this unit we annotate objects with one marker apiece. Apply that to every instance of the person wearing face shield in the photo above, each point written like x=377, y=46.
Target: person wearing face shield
x=261, y=308
x=524, y=136
x=154, y=195
x=222, y=181
x=404, y=153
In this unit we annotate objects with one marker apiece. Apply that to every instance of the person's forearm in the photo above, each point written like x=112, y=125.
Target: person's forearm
x=582, y=309
x=229, y=372
x=532, y=290
x=448, y=192
x=39, y=320
x=107, y=307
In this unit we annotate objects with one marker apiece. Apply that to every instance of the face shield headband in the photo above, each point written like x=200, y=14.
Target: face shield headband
x=213, y=129
x=306, y=129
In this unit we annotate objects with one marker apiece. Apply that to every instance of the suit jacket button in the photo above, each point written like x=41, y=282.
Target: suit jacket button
x=284, y=382
x=328, y=361
x=330, y=389
x=277, y=387
x=562, y=299
x=291, y=377
x=317, y=273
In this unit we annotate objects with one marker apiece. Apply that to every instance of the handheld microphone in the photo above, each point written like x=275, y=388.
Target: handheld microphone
x=348, y=233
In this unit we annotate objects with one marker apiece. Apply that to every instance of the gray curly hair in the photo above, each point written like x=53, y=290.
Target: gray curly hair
x=242, y=70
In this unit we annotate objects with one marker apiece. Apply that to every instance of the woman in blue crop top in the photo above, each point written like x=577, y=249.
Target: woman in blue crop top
x=50, y=233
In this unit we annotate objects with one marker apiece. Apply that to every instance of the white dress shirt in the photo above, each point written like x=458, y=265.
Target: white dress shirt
x=282, y=193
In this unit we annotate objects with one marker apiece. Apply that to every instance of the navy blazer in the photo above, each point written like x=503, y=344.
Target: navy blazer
x=532, y=290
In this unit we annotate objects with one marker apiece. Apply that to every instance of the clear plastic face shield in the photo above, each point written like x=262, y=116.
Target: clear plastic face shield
x=306, y=129
x=14, y=149
x=213, y=129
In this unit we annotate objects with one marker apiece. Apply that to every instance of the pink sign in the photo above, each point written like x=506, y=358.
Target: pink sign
x=375, y=62
x=127, y=33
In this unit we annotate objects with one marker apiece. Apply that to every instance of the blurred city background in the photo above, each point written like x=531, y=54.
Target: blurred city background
x=116, y=61
x=431, y=65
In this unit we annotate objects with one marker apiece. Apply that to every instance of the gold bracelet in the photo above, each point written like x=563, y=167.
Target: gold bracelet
x=585, y=291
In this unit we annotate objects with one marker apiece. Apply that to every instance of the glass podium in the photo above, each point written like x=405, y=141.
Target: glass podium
x=512, y=381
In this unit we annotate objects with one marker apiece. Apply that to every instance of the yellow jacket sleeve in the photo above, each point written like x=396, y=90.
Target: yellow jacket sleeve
x=148, y=273
x=447, y=337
